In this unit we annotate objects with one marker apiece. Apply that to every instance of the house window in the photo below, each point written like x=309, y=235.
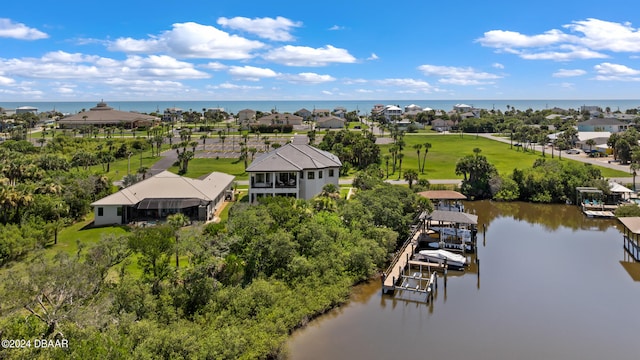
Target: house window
x=100, y=211
x=330, y=172
x=119, y=211
x=310, y=175
x=320, y=174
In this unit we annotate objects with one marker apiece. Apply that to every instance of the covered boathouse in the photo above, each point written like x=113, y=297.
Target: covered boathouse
x=631, y=235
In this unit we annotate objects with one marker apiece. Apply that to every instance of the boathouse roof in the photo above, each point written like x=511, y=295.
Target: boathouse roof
x=451, y=216
x=632, y=223
x=442, y=195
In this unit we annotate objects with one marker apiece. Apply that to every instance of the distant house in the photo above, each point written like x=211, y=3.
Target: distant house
x=339, y=112
x=330, y=122
x=280, y=119
x=304, y=113
x=317, y=113
x=599, y=137
x=462, y=108
x=104, y=115
x=26, y=109
x=603, y=124
x=440, y=125
x=391, y=112
x=173, y=114
x=246, y=117
x=413, y=108
x=164, y=194
x=295, y=170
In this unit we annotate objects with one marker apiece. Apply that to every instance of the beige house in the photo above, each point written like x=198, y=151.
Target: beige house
x=330, y=122
x=164, y=194
x=280, y=119
x=246, y=117
x=295, y=170
x=104, y=115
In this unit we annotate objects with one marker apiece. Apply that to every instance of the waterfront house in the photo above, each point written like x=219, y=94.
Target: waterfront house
x=104, y=115
x=164, y=194
x=295, y=170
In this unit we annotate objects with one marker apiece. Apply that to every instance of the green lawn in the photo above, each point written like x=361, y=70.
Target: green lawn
x=447, y=149
x=203, y=166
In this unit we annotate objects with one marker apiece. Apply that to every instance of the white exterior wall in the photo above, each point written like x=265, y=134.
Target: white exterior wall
x=312, y=187
x=109, y=215
x=305, y=188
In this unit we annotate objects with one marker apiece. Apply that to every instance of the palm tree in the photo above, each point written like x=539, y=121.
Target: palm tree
x=590, y=142
x=386, y=161
x=193, y=146
x=204, y=141
x=418, y=147
x=400, y=156
x=410, y=176
x=427, y=146
x=143, y=170
x=634, y=167
x=177, y=221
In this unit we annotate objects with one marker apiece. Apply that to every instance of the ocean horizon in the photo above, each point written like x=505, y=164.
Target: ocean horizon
x=291, y=106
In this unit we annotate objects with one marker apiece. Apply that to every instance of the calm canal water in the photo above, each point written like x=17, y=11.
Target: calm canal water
x=551, y=286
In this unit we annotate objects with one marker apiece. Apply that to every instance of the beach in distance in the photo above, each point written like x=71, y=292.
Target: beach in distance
x=291, y=106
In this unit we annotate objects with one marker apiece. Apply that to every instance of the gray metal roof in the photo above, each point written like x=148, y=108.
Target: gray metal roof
x=451, y=216
x=294, y=157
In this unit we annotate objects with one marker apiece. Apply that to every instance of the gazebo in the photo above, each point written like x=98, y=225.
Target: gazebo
x=445, y=199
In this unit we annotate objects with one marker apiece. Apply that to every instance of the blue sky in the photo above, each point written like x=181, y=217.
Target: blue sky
x=326, y=50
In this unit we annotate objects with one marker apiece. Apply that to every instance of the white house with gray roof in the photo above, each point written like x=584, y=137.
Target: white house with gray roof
x=295, y=170
x=164, y=194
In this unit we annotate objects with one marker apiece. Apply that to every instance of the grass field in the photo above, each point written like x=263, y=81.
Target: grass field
x=441, y=159
x=447, y=149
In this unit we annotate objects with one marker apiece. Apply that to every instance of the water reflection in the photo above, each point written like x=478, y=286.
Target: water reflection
x=554, y=286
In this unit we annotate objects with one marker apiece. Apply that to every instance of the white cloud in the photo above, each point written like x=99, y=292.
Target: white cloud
x=62, y=65
x=407, y=85
x=616, y=72
x=606, y=35
x=4, y=81
x=364, y=91
x=251, y=73
x=512, y=39
x=498, y=66
x=373, y=56
x=306, y=56
x=191, y=40
x=277, y=29
x=10, y=29
x=327, y=92
x=458, y=75
x=569, y=73
x=589, y=39
x=230, y=86
x=336, y=28
x=214, y=65
x=308, y=78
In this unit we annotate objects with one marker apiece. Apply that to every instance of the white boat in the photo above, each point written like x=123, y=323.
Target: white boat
x=462, y=233
x=439, y=256
x=446, y=245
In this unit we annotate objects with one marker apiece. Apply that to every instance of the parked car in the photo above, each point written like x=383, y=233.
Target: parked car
x=573, y=151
